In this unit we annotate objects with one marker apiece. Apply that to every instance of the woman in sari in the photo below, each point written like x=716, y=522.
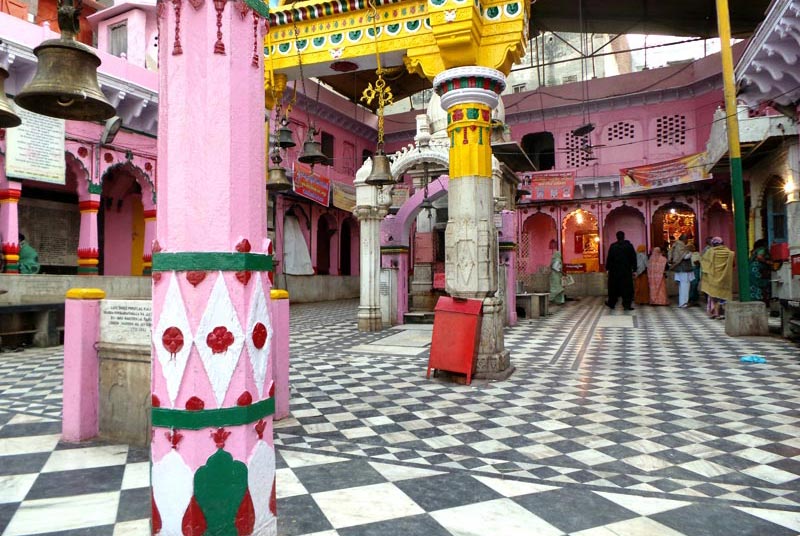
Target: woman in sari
x=556, y=285
x=760, y=272
x=717, y=279
x=641, y=287
x=656, y=278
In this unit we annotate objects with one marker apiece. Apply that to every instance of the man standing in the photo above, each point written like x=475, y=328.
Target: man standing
x=621, y=268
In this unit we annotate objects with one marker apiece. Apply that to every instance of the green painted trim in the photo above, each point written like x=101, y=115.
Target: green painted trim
x=259, y=7
x=212, y=418
x=388, y=250
x=507, y=246
x=95, y=188
x=91, y=270
x=211, y=261
x=740, y=229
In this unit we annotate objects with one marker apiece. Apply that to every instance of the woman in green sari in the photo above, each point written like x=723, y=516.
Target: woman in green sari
x=556, y=284
x=760, y=272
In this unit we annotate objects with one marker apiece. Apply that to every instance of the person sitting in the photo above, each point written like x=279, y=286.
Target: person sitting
x=28, y=257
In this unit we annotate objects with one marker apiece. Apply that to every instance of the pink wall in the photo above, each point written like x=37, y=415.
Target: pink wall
x=539, y=228
x=117, y=239
x=628, y=220
x=138, y=36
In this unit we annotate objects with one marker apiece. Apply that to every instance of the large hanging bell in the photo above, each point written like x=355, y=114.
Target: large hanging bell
x=277, y=180
x=8, y=118
x=65, y=84
x=312, y=153
x=381, y=174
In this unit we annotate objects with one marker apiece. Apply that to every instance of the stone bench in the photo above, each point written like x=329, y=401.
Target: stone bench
x=534, y=304
x=44, y=327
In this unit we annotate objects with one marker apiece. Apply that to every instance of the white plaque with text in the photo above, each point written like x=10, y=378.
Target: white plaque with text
x=125, y=322
x=35, y=149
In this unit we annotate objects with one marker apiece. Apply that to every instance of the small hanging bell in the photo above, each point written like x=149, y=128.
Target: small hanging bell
x=8, y=118
x=426, y=204
x=284, y=137
x=381, y=174
x=312, y=153
x=65, y=84
x=277, y=180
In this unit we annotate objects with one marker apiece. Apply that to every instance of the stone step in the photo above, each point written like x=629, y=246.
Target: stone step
x=418, y=317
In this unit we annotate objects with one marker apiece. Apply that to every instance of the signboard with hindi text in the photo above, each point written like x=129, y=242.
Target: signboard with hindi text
x=35, y=149
x=673, y=172
x=343, y=196
x=547, y=185
x=311, y=185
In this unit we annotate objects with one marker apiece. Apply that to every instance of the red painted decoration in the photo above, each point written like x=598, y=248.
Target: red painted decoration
x=195, y=404
x=269, y=248
x=156, y=277
x=154, y=401
x=156, y=515
x=219, y=437
x=82, y=152
x=172, y=339
x=272, y=390
x=245, y=516
x=148, y=166
x=194, y=522
x=88, y=253
x=273, y=500
x=174, y=438
x=156, y=246
x=243, y=276
x=259, y=335
x=84, y=206
x=219, y=46
x=260, y=425
x=243, y=246
x=344, y=66
x=108, y=157
x=195, y=277
x=177, y=50
x=245, y=399
x=219, y=340
x=271, y=276
x=150, y=213
x=254, y=61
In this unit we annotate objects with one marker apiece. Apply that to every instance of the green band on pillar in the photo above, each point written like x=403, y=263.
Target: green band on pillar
x=211, y=261
x=88, y=270
x=212, y=418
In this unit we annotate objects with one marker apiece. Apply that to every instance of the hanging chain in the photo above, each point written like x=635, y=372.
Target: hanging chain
x=311, y=128
x=380, y=90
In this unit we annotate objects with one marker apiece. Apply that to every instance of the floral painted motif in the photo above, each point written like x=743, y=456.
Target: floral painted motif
x=219, y=340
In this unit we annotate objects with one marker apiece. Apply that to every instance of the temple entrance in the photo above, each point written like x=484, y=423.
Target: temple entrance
x=628, y=220
x=670, y=222
x=581, y=241
x=538, y=232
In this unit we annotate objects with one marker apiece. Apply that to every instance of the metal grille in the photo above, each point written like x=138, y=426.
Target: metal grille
x=671, y=130
x=523, y=251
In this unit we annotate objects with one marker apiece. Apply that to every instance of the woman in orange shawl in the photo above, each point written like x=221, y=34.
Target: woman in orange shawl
x=641, y=288
x=657, y=279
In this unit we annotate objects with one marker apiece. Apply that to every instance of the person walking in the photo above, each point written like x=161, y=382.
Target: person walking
x=717, y=279
x=641, y=286
x=556, y=273
x=621, y=268
x=680, y=262
x=657, y=278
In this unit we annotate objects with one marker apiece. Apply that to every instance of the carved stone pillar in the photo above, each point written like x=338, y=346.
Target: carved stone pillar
x=471, y=253
x=149, y=237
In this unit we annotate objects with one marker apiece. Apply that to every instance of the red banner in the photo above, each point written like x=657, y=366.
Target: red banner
x=311, y=185
x=681, y=170
x=548, y=185
x=795, y=264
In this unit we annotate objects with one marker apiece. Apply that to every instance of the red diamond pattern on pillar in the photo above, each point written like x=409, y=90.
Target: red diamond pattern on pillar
x=195, y=277
x=194, y=522
x=259, y=340
x=156, y=516
x=172, y=338
x=245, y=516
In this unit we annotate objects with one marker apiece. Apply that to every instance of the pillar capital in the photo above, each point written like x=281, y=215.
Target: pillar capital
x=473, y=84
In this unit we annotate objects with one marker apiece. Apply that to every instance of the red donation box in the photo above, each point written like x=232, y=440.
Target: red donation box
x=456, y=330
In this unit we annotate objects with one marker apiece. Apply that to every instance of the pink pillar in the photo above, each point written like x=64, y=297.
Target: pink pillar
x=280, y=351
x=149, y=237
x=88, y=243
x=213, y=457
x=10, y=193
x=81, y=364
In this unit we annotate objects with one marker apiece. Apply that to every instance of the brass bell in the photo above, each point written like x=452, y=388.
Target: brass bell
x=284, y=136
x=381, y=174
x=426, y=204
x=277, y=180
x=312, y=153
x=8, y=118
x=65, y=84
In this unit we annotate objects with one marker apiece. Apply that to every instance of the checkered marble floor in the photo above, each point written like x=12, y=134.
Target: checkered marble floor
x=635, y=423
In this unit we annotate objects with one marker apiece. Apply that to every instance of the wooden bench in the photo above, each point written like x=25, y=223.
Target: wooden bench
x=45, y=328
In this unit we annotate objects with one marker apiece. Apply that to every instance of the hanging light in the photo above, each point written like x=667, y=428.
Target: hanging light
x=65, y=84
x=312, y=150
x=8, y=118
x=579, y=217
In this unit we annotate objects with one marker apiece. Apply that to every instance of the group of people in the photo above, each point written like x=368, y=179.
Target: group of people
x=634, y=278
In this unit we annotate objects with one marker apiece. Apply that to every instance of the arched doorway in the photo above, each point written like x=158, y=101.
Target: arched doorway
x=348, y=247
x=773, y=212
x=539, y=233
x=670, y=222
x=121, y=223
x=581, y=240
x=326, y=228
x=628, y=220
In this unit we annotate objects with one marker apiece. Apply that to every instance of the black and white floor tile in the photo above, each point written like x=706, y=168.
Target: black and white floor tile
x=634, y=423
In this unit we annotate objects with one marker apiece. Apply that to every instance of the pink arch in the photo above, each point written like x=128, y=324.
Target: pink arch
x=396, y=230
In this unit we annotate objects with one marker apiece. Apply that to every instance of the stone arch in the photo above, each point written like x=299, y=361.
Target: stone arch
x=662, y=230
x=536, y=248
x=580, y=236
x=411, y=156
x=628, y=219
x=395, y=230
x=77, y=167
x=325, y=254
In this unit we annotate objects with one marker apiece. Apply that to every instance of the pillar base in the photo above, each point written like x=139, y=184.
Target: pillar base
x=493, y=361
x=369, y=319
x=746, y=319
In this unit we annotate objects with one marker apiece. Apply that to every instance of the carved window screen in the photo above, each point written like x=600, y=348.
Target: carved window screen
x=671, y=130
